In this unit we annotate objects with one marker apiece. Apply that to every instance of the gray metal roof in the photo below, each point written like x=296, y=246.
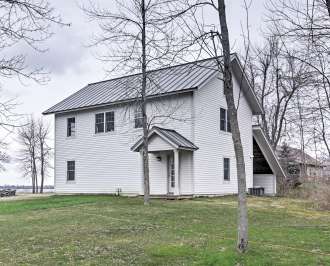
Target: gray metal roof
x=175, y=79
x=173, y=137
x=162, y=81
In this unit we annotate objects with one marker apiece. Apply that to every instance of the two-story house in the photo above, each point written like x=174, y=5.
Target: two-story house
x=98, y=135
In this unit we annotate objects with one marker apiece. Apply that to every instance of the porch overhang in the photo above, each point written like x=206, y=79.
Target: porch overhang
x=172, y=139
x=268, y=151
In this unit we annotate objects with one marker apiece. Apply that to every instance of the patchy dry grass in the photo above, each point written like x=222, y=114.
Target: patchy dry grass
x=105, y=230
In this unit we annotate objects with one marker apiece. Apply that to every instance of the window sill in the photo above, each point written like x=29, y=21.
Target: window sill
x=71, y=137
x=105, y=133
x=225, y=133
x=226, y=182
x=71, y=181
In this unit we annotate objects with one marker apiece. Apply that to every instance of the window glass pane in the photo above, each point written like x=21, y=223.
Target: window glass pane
x=71, y=128
x=110, y=121
x=138, y=118
x=222, y=119
x=71, y=170
x=226, y=169
x=99, y=123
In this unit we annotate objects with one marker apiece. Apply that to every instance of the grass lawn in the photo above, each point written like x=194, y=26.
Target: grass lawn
x=105, y=230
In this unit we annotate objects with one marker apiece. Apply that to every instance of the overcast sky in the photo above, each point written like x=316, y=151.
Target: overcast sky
x=72, y=66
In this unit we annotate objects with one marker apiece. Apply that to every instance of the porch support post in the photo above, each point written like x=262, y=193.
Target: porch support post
x=177, y=172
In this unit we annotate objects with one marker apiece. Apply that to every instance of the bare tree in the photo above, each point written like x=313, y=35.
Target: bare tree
x=44, y=151
x=27, y=138
x=213, y=41
x=305, y=26
x=27, y=23
x=135, y=39
x=277, y=76
x=242, y=241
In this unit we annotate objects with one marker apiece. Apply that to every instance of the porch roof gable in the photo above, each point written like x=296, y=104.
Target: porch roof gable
x=176, y=140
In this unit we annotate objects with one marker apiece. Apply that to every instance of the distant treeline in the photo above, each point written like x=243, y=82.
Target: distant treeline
x=23, y=187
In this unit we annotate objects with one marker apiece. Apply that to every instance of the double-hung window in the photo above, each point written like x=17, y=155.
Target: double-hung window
x=226, y=169
x=138, y=118
x=71, y=127
x=99, y=123
x=71, y=168
x=104, y=122
x=224, y=120
x=110, y=121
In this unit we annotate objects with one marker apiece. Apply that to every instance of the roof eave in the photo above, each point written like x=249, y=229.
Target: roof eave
x=48, y=112
x=252, y=98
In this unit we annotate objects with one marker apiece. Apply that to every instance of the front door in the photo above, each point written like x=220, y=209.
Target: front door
x=170, y=173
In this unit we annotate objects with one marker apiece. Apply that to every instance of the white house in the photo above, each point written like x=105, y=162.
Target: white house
x=98, y=135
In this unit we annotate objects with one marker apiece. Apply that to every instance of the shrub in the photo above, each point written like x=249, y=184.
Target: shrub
x=317, y=193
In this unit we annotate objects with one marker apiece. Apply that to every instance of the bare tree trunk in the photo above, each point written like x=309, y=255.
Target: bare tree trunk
x=33, y=178
x=303, y=173
x=42, y=166
x=35, y=172
x=242, y=237
x=144, y=111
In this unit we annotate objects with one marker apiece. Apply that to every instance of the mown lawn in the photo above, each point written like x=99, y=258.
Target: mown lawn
x=105, y=230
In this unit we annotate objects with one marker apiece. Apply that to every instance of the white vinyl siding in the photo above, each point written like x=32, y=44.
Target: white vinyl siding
x=215, y=144
x=105, y=160
x=267, y=181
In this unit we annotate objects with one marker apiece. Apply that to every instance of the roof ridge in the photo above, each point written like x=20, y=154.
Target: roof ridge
x=158, y=69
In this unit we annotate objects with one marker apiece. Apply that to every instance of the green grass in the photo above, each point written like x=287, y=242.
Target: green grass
x=105, y=230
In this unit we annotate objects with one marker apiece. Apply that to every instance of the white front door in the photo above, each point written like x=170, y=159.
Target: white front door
x=170, y=173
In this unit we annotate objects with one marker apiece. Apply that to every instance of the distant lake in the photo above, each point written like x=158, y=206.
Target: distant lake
x=29, y=190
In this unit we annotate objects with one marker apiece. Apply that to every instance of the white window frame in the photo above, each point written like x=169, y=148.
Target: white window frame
x=227, y=123
x=104, y=122
x=75, y=127
x=223, y=169
x=138, y=115
x=67, y=172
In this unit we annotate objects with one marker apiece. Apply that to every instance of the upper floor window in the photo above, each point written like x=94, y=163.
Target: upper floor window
x=104, y=122
x=226, y=169
x=99, y=123
x=71, y=169
x=224, y=120
x=71, y=127
x=138, y=118
x=110, y=121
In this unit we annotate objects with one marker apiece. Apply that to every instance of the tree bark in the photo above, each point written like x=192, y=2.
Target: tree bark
x=242, y=236
x=42, y=166
x=144, y=111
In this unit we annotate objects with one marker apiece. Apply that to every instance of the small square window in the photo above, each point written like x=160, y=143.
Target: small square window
x=226, y=169
x=99, y=123
x=71, y=127
x=71, y=170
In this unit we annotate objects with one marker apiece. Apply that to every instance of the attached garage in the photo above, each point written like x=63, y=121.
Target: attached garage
x=266, y=167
